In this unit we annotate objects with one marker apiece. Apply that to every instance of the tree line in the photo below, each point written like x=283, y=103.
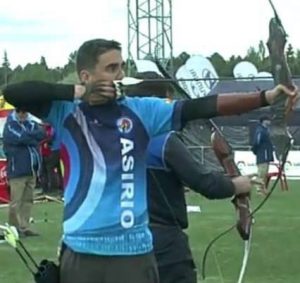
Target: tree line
x=224, y=67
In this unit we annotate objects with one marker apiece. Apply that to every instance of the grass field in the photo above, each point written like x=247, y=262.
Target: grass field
x=275, y=250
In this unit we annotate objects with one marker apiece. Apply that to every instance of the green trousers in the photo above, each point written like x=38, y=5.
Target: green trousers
x=21, y=201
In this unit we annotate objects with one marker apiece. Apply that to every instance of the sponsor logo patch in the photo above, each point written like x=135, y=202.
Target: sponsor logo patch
x=124, y=125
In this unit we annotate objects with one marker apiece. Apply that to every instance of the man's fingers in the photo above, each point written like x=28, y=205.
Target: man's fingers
x=99, y=99
x=287, y=91
x=257, y=182
x=252, y=176
x=254, y=180
x=293, y=96
x=100, y=92
x=104, y=89
x=295, y=99
x=103, y=83
x=291, y=103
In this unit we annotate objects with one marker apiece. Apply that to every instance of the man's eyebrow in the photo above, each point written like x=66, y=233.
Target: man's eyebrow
x=116, y=65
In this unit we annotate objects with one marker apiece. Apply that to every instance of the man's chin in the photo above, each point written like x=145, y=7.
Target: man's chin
x=104, y=101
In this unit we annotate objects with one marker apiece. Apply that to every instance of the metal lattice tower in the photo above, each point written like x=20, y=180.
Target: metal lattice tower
x=150, y=30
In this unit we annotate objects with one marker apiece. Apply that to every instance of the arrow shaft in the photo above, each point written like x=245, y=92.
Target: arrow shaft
x=207, y=79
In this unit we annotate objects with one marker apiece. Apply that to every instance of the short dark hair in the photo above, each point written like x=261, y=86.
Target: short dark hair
x=264, y=118
x=158, y=87
x=20, y=110
x=90, y=50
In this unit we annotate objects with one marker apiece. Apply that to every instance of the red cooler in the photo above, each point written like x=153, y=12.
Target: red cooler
x=4, y=195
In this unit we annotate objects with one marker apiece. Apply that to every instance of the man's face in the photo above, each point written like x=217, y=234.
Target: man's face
x=22, y=116
x=267, y=123
x=108, y=68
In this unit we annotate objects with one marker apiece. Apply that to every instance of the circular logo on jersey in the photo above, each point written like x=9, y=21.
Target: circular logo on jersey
x=124, y=125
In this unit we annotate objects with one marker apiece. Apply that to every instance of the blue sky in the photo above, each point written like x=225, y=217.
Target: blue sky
x=31, y=29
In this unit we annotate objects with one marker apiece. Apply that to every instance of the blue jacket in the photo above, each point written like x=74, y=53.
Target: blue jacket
x=262, y=145
x=21, y=146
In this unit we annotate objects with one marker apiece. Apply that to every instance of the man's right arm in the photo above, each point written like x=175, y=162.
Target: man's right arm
x=36, y=97
x=212, y=185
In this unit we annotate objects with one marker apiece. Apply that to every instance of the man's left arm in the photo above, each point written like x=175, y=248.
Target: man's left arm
x=233, y=103
x=222, y=105
x=161, y=116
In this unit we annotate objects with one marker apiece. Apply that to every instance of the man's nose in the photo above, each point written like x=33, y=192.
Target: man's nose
x=121, y=75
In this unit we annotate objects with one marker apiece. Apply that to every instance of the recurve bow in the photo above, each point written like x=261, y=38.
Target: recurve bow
x=241, y=202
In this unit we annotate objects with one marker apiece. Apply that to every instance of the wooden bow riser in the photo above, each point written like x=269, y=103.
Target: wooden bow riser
x=241, y=202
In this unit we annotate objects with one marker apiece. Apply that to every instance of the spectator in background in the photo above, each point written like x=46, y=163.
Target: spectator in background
x=263, y=149
x=48, y=167
x=21, y=138
x=55, y=160
x=58, y=178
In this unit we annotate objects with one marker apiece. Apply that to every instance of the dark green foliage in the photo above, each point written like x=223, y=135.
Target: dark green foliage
x=224, y=67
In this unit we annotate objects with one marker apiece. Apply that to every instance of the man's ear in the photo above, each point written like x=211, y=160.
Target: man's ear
x=84, y=76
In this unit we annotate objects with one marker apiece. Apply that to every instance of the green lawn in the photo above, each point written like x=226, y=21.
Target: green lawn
x=275, y=250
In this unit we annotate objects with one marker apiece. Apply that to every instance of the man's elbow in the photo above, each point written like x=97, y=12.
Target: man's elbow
x=206, y=189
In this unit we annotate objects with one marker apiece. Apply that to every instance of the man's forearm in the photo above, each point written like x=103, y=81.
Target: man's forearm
x=222, y=105
x=36, y=97
x=212, y=185
x=37, y=92
x=215, y=185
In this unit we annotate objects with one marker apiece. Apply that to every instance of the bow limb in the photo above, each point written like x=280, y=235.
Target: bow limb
x=281, y=73
x=247, y=247
x=280, y=135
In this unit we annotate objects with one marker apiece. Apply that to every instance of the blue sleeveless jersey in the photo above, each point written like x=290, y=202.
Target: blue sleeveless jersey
x=104, y=159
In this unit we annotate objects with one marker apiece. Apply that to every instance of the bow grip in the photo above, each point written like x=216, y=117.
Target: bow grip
x=241, y=202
